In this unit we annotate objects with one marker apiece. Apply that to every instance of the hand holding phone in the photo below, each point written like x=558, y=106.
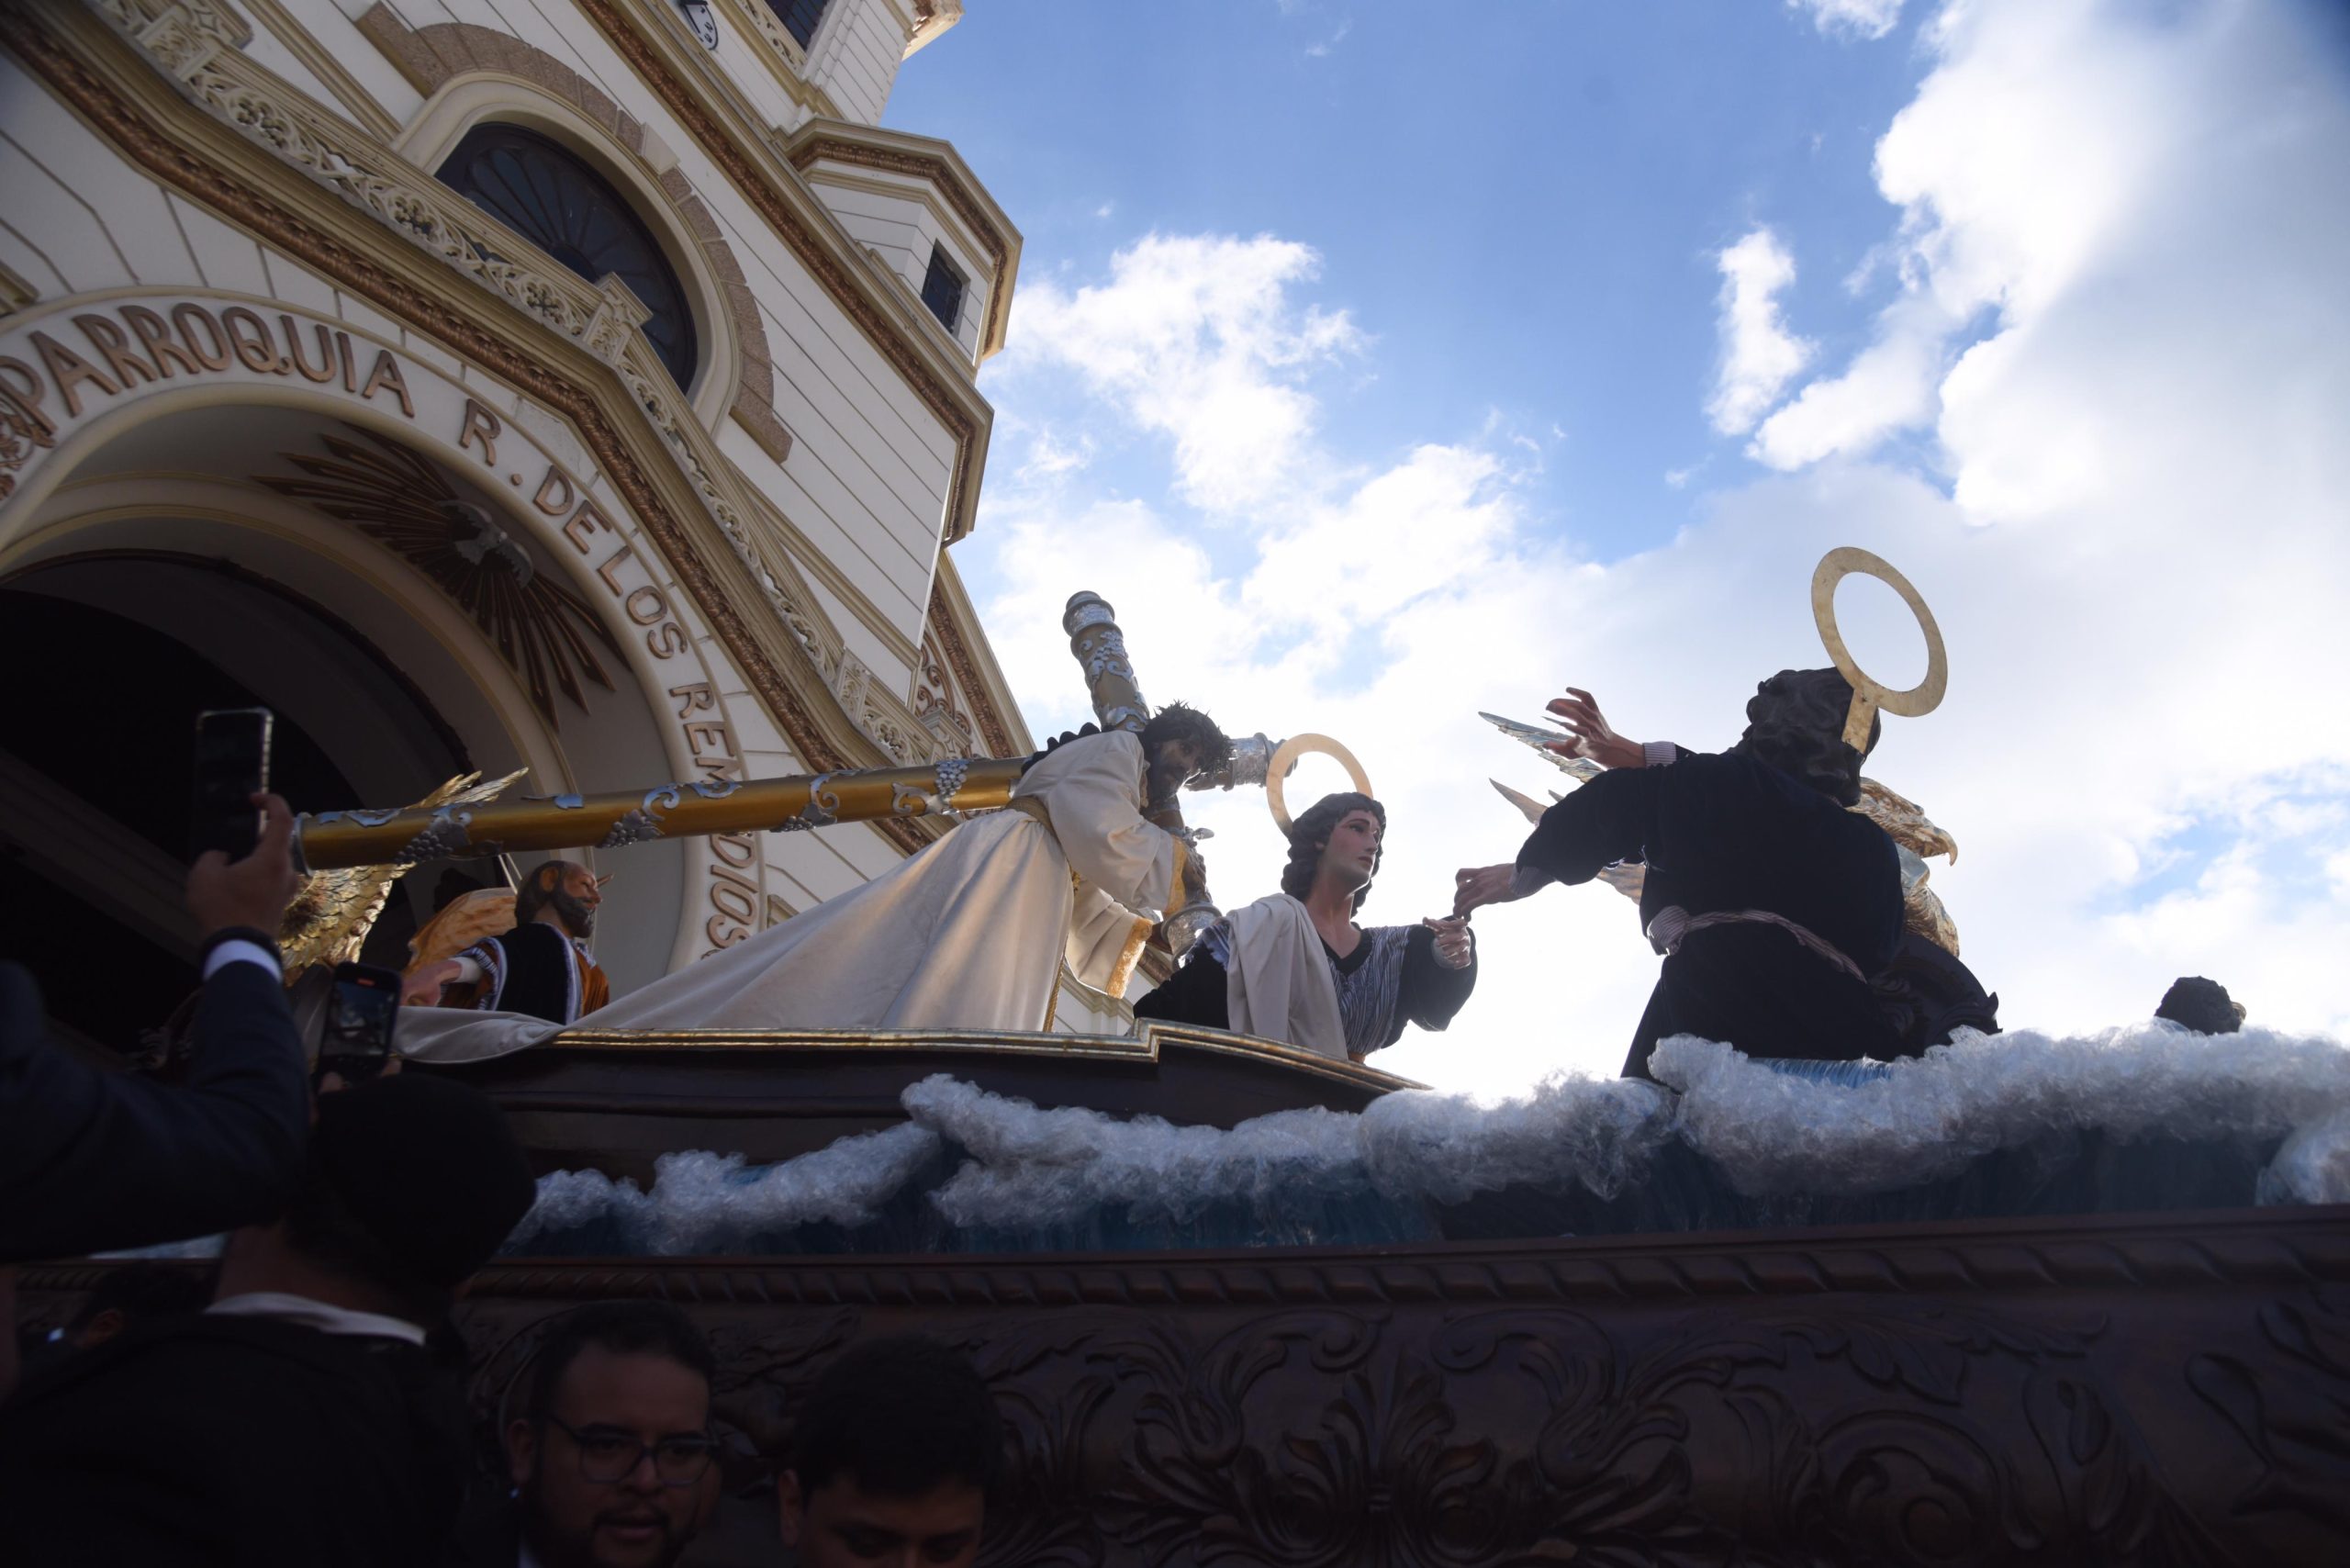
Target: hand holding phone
x=254, y=890
x=360, y=1010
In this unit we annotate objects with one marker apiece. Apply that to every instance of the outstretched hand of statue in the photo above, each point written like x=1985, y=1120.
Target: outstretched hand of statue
x=1578, y=713
x=1451, y=940
x=423, y=988
x=1474, y=887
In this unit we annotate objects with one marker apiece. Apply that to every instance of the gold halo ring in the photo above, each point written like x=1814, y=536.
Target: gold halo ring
x=1868, y=695
x=1285, y=758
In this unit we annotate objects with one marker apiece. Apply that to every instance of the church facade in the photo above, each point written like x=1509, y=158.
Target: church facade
x=585, y=388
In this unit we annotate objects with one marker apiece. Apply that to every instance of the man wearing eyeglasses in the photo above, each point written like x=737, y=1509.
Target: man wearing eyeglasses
x=612, y=1457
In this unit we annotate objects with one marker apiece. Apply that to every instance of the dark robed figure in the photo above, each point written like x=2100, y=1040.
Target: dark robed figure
x=1771, y=901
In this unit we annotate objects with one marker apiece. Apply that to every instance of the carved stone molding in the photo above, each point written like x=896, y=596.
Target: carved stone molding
x=816, y=144
x=431, y=56
x=170, y=156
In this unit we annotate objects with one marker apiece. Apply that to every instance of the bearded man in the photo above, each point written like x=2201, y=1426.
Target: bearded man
x=1771, y=902
x=969, y=934
x=541, y=968
x=1294, y=967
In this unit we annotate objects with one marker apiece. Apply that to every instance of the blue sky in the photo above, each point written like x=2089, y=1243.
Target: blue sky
x=1384, y=362
x=1523, y=203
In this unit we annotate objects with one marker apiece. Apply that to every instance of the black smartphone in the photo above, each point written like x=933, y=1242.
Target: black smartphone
x=232, y=766
x=360, y=1012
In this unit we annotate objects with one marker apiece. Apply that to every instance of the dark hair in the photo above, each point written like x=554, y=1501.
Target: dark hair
x=1309, y=834
x=624, y=1328
x=903, y=1416
x=2202, y=1005
x=1177, y=723
x=1795, y=722
x=536, y=890
x=321, y=1227
x=143, y=1292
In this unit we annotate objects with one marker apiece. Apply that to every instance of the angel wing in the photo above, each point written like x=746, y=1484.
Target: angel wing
x=334, y=911
x=485, y=911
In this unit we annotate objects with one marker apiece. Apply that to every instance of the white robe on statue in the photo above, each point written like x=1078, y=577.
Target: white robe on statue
x=969, y=934
x=1277, y=981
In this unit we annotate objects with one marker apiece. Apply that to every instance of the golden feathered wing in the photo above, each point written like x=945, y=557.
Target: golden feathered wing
x=330, y=915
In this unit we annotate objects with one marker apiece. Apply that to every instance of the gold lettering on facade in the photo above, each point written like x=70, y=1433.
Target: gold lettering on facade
x=294, y=348
x=155, y=336
x=605, y=571
x=586, y=517
x=698, y=698
x=187, y=317
x=107, y=338
x=385, y=373
x=555, y=497
x=253, y=349
x=666, y=640
x=484, y=426
x=657, y=606
x=67, y=371
x=343, y=352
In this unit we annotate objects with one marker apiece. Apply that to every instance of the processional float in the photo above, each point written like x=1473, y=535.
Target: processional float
x=456, y=827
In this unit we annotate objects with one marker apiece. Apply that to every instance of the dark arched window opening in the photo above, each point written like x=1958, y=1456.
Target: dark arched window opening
x=545, y=192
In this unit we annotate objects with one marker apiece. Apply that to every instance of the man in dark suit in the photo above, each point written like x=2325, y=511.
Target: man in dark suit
x=301, y=1419
x=93, y=1160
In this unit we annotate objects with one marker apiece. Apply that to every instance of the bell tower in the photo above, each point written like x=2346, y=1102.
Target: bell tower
x=804, y=60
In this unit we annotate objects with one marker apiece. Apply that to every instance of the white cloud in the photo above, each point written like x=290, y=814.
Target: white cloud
x=1196, y=338
x=2133, y=527
x=1758, y=355
x=1855, y=18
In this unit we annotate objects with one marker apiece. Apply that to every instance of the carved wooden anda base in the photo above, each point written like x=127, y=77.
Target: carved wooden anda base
x=2167, y=1389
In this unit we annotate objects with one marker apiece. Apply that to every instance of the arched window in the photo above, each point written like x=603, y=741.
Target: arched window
x=545, y=192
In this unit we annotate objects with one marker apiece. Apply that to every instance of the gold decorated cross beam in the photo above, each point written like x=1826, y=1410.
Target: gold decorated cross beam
x=463, y=829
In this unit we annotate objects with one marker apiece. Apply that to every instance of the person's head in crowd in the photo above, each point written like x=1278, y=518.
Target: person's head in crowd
x=611, y=1455
x=409, y=1185
x=1795, y=722
x=2202, y=1005
x=563, y=889
x=135, y=1293
x=891, y=1460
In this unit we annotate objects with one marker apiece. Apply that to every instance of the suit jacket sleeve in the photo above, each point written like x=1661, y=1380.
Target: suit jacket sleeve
x=90, y=1160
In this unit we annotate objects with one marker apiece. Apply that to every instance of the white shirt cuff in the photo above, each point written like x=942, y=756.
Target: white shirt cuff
x=1659, y=754
x=238, y=952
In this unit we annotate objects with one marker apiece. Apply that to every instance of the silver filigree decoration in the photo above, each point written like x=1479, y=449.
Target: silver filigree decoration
x=634, y=828
x=715, y=788
x=363, y=816
x=449, y=832
x=818, y=812
x=568, y=802
x=951, y=774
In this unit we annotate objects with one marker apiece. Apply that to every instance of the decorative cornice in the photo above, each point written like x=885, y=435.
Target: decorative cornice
x=826, y=256
x=969, y=682
x=936, y=162
x=177, y=157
